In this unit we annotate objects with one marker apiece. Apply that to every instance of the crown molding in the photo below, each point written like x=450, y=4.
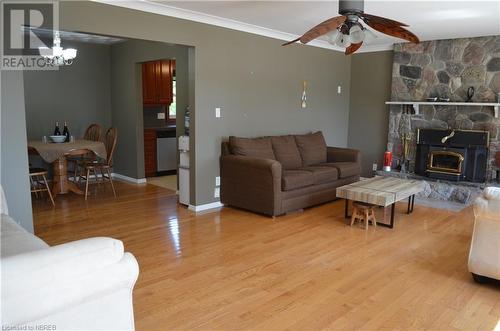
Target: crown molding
x=375, y=48
x=166, y=10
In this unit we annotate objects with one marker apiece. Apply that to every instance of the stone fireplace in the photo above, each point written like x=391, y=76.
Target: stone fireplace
x=446, y=69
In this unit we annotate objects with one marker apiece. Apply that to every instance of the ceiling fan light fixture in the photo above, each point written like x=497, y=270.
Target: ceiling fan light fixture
x=356, y=34
x=344, y=41
x=348, y=32
x=369, y=35
x=334, y=36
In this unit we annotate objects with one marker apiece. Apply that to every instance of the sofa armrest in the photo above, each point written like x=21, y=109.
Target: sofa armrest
x=251, y=183
x=338, y=154
x=488, y=205
x=484, y=254
x=40, y=283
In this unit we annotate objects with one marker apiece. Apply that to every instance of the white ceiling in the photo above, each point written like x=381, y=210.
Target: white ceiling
x=429, y=20
x=77, y=36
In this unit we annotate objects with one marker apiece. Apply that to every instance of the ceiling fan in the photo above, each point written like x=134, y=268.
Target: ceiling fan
x=347, y=31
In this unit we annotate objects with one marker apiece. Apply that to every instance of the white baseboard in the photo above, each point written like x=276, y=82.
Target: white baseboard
x=213, y=205
x=129, y=179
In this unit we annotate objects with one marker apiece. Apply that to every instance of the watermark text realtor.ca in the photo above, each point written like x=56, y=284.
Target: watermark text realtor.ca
x=27, y=27
x=30, y=327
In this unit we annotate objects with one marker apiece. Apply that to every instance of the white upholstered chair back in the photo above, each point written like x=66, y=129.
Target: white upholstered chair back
x=4, y=209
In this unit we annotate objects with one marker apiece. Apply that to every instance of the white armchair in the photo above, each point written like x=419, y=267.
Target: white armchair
x=484, y=256
x=81, y=285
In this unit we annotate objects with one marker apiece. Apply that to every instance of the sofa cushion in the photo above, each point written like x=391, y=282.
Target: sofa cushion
x=312, y=148
x=345, y=169
x=322, y=174
x=286, y=152
x=253, y=147
x=294, y=179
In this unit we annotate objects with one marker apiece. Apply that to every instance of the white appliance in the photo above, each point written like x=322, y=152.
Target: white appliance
x=184, y=170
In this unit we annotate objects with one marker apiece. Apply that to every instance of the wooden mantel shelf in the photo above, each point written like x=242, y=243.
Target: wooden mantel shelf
x=416, y=104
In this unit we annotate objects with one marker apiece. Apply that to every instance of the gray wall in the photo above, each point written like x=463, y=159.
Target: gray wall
x=255, y=81
x=14, y=160
x=78, y=94
x=126, y=91
x=368, y=117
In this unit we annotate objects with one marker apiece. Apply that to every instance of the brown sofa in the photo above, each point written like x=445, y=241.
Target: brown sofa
x=275, y=175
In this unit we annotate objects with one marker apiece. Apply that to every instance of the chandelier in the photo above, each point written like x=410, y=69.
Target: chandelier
x=58, y=56
x=350, y=33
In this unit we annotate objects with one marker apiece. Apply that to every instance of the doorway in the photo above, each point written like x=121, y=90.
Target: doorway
x=159, y=99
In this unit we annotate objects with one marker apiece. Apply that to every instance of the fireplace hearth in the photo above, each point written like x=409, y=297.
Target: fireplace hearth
x=454, y=155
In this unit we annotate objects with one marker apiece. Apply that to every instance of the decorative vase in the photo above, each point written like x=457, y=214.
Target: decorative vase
x=470, y=94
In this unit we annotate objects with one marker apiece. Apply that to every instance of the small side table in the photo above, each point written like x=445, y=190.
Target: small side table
x=363, y=211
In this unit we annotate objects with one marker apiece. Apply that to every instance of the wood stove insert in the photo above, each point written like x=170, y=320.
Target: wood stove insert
x=456, y=155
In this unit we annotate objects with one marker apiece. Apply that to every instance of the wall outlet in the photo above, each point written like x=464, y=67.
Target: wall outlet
x=161, y=116
x=217, y=181
x=217, y=192
x=217, y=112
x=339, y=89
x=375, y=167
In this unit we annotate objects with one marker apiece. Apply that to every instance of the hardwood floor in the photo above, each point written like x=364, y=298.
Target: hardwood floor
x=234, y=270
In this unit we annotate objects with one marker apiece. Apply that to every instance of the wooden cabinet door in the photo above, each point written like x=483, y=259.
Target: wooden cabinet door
x=149, y=94
x=164, y=74
x=150, y=152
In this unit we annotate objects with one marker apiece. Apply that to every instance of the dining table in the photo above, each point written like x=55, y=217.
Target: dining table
x=57, y=154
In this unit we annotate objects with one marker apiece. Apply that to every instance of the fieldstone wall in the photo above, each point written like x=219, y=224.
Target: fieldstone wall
x=446, y=69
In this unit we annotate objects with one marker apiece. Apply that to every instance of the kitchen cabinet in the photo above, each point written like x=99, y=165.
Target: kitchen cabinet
x=150, y=152
x=157, y=82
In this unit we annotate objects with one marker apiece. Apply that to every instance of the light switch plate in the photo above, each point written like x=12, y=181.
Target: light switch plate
x=161, y=116
x=217, y=192
x=339, y=89
x=217, y=112
x=217, y=181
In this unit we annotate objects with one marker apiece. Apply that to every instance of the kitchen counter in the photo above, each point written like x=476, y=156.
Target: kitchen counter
x=161, y=128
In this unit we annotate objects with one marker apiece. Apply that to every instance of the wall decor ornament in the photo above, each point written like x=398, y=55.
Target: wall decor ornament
x=303, y=99
x=470, y=94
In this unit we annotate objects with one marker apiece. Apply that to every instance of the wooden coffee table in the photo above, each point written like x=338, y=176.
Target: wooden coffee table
x=381, y=191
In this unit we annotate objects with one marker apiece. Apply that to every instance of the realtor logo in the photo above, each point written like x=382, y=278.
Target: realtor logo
x=26, y=26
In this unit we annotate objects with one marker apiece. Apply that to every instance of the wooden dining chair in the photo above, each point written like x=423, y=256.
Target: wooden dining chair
x=93, y=132
x=38, y=182
x=103, y=167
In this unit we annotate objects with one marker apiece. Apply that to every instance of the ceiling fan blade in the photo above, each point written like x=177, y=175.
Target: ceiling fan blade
x=322, y=28
x=353, y=48
x=382, y=20
x=319, y=30
x=291, y=42
x=395, y=31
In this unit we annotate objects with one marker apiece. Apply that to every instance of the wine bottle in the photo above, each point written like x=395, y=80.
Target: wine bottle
x=56, y=130
x=66, y=132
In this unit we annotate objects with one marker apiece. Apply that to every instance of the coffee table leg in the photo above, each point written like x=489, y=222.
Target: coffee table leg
x=411, y=204
x=391, y=224
x=392, y=215
x=346, y=211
